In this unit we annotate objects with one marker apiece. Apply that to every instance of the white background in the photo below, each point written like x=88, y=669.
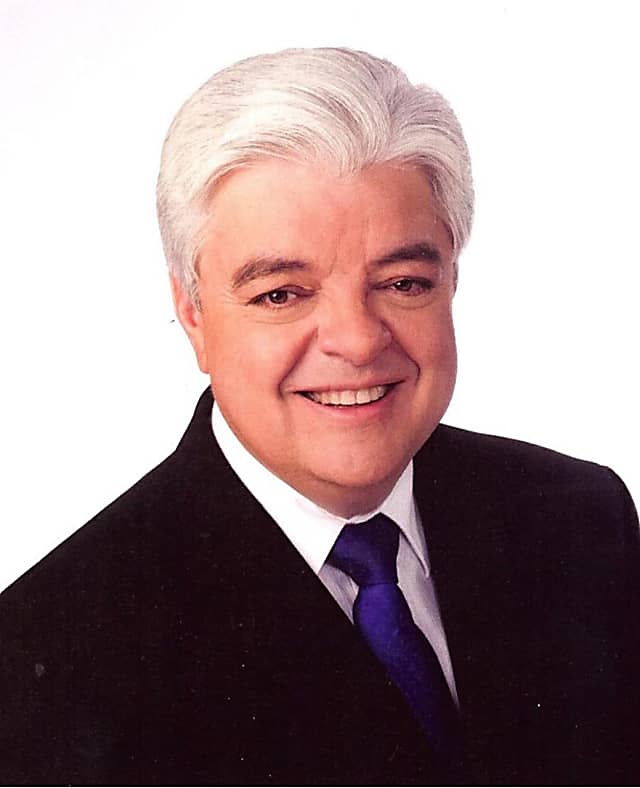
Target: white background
x=97, y=380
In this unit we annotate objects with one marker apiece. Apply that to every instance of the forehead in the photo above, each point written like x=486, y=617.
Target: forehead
x=278, y=206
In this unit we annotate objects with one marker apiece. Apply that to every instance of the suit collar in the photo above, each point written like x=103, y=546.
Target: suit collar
x=294, y=623
x=260, y=556
x=456, y=529
x=470, y=560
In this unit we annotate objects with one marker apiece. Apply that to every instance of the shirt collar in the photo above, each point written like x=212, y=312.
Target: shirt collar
x=311, y=529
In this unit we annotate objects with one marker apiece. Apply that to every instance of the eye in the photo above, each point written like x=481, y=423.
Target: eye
x=276, y=299
x=412, y=286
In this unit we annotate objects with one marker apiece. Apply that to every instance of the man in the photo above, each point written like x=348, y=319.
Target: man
x=313, y=205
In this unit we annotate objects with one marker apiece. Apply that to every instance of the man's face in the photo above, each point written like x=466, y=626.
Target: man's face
x=325, y=323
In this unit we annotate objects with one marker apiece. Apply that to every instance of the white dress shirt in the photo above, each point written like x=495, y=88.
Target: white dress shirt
x=313, y=532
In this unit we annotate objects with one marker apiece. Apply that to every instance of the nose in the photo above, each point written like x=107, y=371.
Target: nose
x=352, y=330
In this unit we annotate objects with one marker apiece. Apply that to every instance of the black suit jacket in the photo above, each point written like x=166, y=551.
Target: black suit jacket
x=180, y=638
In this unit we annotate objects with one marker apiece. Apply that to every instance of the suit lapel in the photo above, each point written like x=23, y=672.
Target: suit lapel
x=319, y=671
x=267, y=574
x=473, y=573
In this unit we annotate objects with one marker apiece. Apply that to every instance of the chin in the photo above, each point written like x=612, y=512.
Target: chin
x=362, y=481
x=364, y=465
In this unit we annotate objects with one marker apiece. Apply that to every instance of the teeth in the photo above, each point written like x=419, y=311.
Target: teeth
x=352, y=397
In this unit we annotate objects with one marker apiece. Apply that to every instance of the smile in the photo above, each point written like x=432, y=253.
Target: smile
x=348, y=397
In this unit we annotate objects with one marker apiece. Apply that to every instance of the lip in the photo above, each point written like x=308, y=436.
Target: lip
x=353, y=414
x=348, y=386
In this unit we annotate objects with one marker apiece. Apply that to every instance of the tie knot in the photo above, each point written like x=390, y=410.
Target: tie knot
x=367, y=551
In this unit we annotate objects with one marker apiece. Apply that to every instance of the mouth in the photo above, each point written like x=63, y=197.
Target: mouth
x=348, y=397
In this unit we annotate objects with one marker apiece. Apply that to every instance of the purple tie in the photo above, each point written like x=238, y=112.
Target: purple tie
x=367, y=553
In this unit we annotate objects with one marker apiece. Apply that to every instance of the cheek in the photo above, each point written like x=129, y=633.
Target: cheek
x=257, y=357
x=442, y=346
x=430, y=342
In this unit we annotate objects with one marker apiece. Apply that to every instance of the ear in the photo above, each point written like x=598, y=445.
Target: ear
x=191, y=318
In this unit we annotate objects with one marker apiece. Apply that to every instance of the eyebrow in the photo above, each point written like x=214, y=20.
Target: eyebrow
x=419, y=251
x=261, y=267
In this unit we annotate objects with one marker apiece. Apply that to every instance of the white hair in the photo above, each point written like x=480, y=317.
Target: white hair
x=339, y=107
